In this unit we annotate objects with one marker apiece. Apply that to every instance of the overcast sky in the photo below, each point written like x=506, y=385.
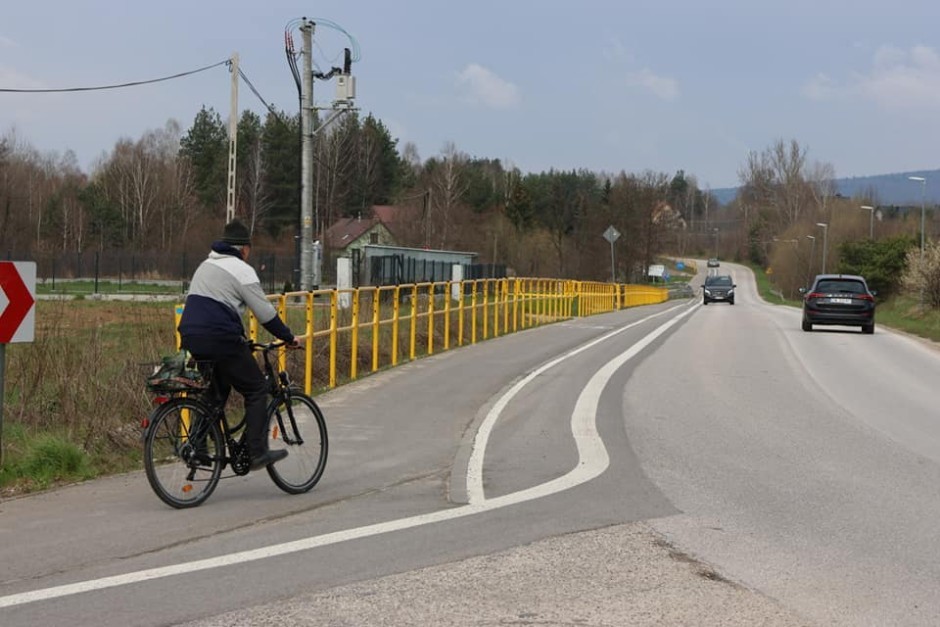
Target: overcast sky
x=609, y=85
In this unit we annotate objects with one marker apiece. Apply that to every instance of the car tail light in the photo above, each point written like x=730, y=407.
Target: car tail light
x=815, y=295
x=865, y=297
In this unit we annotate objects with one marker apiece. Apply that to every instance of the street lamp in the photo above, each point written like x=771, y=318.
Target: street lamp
x=871, y=221
x=716, y=242
x=812, y=254
x=825, y=228
x=923, y=205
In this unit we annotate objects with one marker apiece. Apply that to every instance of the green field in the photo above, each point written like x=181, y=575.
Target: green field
x=88, y=287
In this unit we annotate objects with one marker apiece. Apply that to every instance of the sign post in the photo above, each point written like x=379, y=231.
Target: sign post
x=17, y=314
x=612, y=235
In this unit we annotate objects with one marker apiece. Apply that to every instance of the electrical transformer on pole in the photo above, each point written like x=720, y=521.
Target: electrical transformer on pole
x=311, y=252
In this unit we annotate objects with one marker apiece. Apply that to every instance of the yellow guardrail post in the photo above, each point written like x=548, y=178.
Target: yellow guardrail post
x=461, y=310
x=447, y=288
x=430, y=350
x=396, y=310
x=308, y=348
x=473, y=312
x=485, y=309
x=494, y=289
x=177, y=315
x=334, y=306
x=376, y=328
x=354, y=336
x=414, y=318
x=282, y=312
x=504, y=286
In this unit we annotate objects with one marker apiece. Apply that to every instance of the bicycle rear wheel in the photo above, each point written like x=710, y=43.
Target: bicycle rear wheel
x=183, y=453
x=296, y=425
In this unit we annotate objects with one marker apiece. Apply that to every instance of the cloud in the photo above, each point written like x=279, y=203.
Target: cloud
x=6, y=42
x=898, y=79
x=481, y=86
x=662, y=87
x=904, y=80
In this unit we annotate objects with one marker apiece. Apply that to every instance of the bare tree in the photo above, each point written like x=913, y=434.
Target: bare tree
x=333, y=169
x=448, y=186
x=778, y=182
x=820, y=179
x=257, y=201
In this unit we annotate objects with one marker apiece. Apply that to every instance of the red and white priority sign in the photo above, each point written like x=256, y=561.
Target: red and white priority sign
x=17, y=297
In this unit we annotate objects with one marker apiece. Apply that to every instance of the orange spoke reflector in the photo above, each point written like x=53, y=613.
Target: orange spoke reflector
x=274, y=433
x=188, y=487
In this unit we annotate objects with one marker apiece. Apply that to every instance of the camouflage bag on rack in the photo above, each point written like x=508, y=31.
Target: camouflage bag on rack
x=176, y=373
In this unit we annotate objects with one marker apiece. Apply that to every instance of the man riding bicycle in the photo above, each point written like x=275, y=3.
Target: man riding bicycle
x=211, y=329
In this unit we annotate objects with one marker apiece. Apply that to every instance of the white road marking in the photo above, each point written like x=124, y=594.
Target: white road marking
x=475, y=493
x=593, y=460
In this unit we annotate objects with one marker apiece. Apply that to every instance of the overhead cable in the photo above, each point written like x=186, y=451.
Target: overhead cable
x=244, y=76
x=118, y=86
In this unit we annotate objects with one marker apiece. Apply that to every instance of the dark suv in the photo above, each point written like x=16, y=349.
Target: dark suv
x=718, y=288
x=842, y=299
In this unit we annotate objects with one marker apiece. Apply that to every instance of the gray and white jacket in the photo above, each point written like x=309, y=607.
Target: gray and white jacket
x=222, y=288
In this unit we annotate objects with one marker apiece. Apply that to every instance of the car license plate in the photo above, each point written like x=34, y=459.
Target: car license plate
x=841, y=301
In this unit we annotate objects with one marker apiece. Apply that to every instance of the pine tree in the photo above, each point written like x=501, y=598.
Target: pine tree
x=205, y=145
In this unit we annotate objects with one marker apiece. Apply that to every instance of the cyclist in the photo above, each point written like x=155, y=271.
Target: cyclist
x=211, y=329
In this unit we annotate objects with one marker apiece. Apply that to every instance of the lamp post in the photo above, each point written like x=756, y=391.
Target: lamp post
x=923, y=209
x=716, y=242
x=812, y=254
x=871, y=221
x=825, y=228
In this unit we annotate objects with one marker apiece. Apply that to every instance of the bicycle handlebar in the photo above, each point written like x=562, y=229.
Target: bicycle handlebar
x=256, y=346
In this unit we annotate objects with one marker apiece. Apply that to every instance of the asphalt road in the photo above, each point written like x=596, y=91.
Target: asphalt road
x=666, y=465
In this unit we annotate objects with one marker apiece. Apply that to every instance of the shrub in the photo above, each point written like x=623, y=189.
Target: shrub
x=923, y=274
x=882, y=263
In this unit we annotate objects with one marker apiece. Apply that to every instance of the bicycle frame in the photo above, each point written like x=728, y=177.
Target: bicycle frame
x=235, y=450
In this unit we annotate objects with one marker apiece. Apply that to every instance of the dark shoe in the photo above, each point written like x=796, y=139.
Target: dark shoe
x=267, y=458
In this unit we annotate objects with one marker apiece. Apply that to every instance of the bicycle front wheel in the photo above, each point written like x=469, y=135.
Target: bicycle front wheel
x=296, y=424
x=183, y=453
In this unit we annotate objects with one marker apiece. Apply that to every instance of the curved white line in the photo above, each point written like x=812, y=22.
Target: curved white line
x=593, y=460
x=475, y=492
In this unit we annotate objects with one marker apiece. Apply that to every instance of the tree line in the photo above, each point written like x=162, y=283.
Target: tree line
x=166, y=191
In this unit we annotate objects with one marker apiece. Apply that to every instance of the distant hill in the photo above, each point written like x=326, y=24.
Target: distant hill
x=889, y=189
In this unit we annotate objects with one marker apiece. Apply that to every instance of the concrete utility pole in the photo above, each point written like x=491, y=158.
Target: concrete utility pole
x=306, y=162
x=311, y=251
x=232, y=141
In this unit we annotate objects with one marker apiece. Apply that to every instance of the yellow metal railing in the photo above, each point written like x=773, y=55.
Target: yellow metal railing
x=349, y=331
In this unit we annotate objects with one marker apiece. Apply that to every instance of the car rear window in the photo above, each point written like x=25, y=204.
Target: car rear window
x=840, y=286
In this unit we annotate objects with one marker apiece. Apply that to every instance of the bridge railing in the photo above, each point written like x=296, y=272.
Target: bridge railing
x=356, y=331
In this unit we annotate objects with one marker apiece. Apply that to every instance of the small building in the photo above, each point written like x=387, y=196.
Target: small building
x=394, y=265
x=349, y=234
x=377, y=256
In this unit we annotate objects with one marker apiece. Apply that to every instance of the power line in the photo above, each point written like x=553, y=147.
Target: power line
x=244, y=76
x=118, y=86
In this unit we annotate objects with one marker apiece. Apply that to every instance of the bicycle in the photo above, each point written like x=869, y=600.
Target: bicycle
x=188, y=441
